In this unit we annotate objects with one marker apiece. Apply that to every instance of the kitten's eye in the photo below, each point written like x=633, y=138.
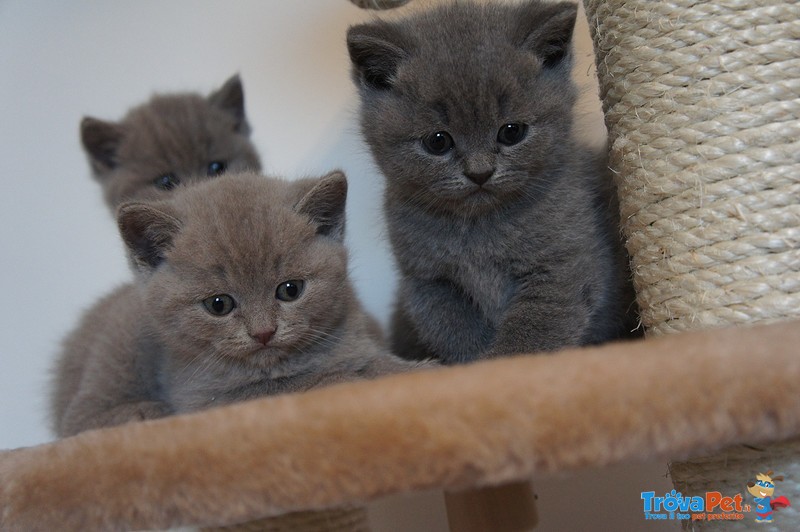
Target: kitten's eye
x=290, y=290
x=438, y=143
x=219, y=305
x=166, y=181
x=511, y=134
x=216, y=168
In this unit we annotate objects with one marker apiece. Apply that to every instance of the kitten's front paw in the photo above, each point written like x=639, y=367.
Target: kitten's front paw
x=502, y=350
x=150, y=410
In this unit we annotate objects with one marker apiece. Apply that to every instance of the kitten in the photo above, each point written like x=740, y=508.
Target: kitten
x=171, y=139
x=503, y=228
x=242, y=291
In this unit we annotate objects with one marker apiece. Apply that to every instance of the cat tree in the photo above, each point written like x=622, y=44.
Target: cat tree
x=702, y=106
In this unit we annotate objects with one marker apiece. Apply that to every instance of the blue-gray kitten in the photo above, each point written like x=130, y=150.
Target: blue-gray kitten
x=171, y=140
x=242, y=291
x=503, y=227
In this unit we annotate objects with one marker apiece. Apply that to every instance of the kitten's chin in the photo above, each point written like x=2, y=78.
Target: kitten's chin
x=262, y=357
x=473, y=202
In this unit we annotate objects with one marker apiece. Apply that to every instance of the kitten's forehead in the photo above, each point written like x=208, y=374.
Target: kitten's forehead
x=469, y=59
x=175, y=128
x=458, y=86
x=241, y=226
x=244, y=211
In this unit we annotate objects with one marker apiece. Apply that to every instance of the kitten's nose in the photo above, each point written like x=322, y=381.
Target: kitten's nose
x=263, y=337
x=480, y=177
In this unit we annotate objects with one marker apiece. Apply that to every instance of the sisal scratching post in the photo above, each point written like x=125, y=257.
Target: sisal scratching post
x=702, y=104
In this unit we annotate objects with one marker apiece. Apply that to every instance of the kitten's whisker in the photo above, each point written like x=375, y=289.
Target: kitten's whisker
x=207, y=358
x=320, y=338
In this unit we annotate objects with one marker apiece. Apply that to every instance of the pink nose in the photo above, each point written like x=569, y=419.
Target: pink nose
x=263, y=337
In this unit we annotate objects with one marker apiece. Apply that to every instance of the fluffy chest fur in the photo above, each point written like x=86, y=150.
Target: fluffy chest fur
x=473, y=255
x=492, y=257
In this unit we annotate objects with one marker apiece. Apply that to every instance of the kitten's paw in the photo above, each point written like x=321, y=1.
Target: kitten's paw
x=499, y=351
x=150, y=410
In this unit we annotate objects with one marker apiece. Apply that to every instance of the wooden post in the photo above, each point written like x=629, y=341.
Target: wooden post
x=506, y=508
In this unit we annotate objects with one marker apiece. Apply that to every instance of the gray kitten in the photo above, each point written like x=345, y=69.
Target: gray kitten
x=504, y=229
x=170, y=140
x=242, y=291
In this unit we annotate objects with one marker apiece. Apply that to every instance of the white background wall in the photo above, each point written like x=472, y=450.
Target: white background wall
x=59, y=250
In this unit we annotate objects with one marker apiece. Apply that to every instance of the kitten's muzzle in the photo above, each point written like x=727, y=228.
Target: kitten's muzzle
x=263, y=337
x=480, y=177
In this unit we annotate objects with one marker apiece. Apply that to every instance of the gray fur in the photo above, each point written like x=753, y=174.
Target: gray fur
x=151, y=348
x=501, y=248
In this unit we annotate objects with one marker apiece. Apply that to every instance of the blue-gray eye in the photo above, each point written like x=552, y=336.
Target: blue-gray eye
x=289, y=290
x=511, y=134
x=216, y=168
x=219, y=305
x=166, y=181
x=438, y=143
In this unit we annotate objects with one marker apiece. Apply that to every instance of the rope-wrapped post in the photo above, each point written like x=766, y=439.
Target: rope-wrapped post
x=702, y=106
x=701, y=103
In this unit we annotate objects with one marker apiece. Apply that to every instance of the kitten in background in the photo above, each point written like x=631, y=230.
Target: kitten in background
x=504, y=229
x=242, y=291
x=172, y=139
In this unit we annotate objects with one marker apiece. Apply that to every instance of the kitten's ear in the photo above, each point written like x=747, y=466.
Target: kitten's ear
x=376, y=51
x=325, y=205
x=546, y=30
x=147, y=232
x=101, y=141
x=230, y=98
